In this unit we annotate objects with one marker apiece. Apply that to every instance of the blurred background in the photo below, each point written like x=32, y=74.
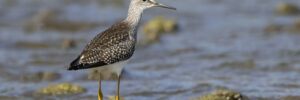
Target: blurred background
x=251, y=47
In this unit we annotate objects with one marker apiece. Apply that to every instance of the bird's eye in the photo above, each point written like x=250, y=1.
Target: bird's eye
x=144, y=0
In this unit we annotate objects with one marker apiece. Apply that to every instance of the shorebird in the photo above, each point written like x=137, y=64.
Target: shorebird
x=112, y=48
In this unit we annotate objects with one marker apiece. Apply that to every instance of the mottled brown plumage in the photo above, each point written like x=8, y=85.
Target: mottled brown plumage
x=116, y=43
x=111, y=46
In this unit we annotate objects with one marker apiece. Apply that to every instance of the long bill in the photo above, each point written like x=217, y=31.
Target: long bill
x=162, y=5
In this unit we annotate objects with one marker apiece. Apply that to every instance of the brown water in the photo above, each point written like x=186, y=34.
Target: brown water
x=220, y=44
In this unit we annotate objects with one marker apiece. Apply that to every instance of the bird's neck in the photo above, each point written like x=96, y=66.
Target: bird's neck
x=134, y=16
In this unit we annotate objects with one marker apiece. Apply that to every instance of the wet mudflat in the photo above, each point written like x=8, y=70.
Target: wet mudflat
x=245, y=46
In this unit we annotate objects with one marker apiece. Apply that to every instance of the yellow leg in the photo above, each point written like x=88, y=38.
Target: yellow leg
x=118, y=88
x=100, y=95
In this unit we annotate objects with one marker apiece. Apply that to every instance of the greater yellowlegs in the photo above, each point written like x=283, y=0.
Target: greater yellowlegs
x=112, y=48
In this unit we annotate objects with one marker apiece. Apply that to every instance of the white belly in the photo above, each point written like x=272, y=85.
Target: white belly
x=113, y=68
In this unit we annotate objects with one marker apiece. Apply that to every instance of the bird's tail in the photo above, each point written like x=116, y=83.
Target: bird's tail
x=75, y=65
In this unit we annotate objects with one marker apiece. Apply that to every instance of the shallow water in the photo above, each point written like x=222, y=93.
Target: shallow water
x=220, y=44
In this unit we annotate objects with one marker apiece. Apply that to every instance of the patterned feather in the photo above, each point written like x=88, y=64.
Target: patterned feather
x=113, y=45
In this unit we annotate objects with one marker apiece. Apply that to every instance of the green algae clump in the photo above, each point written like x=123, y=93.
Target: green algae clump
x=222, y=95
x=287, y=9
x=156, y=27
x=64, y=88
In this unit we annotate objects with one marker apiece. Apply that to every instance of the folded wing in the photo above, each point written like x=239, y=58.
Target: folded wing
x=111, y=46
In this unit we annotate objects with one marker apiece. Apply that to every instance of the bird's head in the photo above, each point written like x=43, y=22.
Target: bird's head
x=144, y=4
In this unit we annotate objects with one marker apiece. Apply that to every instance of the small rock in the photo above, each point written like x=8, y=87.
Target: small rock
x=156, y=27
x=58, y=89
x=105, y=75
x=68, y=44
x=290, y=28
x=246, y=64
x=40, y=62
x=48, y=20
x=94, y=75
x=291, y=98
x=118, y=3
x=9, y=98
x=271, y=28
x=40, y=76
x=222, y=95
x=38, y=21
x=114, y=98
x=68, y=26
x=183, y=51
x=297, y=25
x=287, y=9
x=49, y=76
x=260, y=98
x=32, y=45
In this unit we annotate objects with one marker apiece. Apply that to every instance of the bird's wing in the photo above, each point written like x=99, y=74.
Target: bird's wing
x=111, y=46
